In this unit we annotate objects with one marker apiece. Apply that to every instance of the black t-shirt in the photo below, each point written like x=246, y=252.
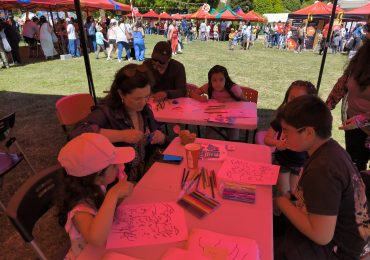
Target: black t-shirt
x=287, y=157
x=173, y=81
x=330, y=185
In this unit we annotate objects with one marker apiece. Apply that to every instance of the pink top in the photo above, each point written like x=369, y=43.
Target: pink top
x=358, y=101
x=78, y=243
x=112, y=33
x=224, y=96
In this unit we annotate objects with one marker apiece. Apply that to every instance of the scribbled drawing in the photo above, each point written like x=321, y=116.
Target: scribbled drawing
x=243, y=171
x=147, y=224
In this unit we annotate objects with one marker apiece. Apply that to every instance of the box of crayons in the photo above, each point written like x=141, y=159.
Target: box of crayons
x=198, y=203
x=238, y=192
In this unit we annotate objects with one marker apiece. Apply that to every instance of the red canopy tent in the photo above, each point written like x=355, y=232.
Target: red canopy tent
x=177, y=16
x=200, y=14
x=253, y=17
x=228, y=14
x=44, y=4
x=361, y=13
x=318, y=10
x=165, y=15
x=340, y=10
x=240, y=12
x=150, y=14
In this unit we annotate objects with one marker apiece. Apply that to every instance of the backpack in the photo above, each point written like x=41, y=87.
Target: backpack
x=91, y=29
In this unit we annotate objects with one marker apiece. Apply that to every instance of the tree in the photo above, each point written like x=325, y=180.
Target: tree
x=246, y=5
x=263, y=6
x=277, y=6
x=292, y=5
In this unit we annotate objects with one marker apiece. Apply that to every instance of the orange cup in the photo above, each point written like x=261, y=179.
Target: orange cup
x=192, y=155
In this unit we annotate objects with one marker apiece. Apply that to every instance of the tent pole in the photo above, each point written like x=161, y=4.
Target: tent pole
x=328, y=38
x=84, y=50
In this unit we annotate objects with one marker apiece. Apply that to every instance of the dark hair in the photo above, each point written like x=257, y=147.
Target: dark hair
x=308, y=111
x=359, y=66
x=308, y=86
x=76, y=190
x=127, y=79
x=228, y=82
x=42, y=19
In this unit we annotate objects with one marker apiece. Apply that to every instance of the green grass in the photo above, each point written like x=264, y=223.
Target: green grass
x=269, y=71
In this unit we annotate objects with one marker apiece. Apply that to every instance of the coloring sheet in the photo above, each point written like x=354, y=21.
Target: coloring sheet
x=147, y=224
x=218, y=246
x=242, y=171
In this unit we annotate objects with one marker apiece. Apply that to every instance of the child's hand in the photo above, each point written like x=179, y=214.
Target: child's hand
x=158, y=137
x=281, y=145
x=122, y=189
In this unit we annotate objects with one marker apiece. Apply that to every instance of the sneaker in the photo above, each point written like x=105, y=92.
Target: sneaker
x=108, y=58
x=119, y=61
x=130, y=59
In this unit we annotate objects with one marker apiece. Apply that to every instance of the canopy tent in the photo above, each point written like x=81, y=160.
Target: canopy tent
x=253, y=17
x=318, y=10
x=200, y=14
x=135, y=14
x=165, y=15
x=340, y=10
x=228, y=14
x=360, y=14
x=63, y=4
x=240, y=12
x=150, y=14
x=177, y=16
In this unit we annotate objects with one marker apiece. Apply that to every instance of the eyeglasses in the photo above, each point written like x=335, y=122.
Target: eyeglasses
x=131, y=72
x=160, y=62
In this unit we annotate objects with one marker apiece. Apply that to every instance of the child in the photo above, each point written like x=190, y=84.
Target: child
x=100, y=42
x=290, y=162
x=91, y=162
x=330, y=217
x=112, y=37
x=231, y=39
x=221, y=88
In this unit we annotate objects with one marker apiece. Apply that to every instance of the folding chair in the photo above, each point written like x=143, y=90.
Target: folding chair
x=8, y=161
x=72, y=109
x=251, y=96
x=32, y=200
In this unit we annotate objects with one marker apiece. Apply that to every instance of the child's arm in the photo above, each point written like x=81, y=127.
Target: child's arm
x=95, y=230
x=272, y=141
x=318, y=228
x=197, y=93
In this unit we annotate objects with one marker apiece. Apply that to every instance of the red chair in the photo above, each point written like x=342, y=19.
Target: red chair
x=189, y=88
x=250, y=94
x=71, y=109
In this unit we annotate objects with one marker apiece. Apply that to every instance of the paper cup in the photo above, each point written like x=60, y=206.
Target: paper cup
x=192, y=155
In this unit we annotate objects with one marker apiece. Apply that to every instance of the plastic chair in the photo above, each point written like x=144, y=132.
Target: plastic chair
x=250, y=94
x=32, y=200
x=72, y=109
x=8, y=161
x=189, y=88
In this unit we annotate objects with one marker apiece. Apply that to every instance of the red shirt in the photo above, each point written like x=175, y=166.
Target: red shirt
x=280, y=27
x=325, y=30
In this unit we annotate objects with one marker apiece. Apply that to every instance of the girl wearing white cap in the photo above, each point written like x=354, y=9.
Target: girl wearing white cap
x=87, y=209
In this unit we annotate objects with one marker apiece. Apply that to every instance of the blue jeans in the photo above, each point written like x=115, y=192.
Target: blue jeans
x=120, y=46
x=72, y=48
x=139, y=50
x=92, y=43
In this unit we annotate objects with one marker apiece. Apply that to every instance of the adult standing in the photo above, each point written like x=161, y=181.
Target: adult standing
x=139, y=44
x=355, y=84
x=13, y=39
x=325, y=32
x=46, y=38
x=112, y=36
x=301, y=37
x=223, y=30
x=174, y=38
x=125, y=118
x=72, y=39
x=91, y=31
x=122, y=40
x=169, y=74
x=203, y=31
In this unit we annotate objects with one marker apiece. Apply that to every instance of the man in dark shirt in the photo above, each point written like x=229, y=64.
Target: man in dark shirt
x=169, y=74
x=330, y=217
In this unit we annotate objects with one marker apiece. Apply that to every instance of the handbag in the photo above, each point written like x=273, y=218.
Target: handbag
x=5, y=42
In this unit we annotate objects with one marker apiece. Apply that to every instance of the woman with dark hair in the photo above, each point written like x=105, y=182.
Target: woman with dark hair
x=13, y=39
x=91, y=31
x=46, y=38
x=125, y=118
x=354, y=88
x=139, y=45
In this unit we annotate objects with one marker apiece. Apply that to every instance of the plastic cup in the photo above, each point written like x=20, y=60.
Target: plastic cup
x=192, y=155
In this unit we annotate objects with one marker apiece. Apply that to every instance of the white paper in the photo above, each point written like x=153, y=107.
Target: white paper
x=147, y=224
x=247, y=172
x=219, y=246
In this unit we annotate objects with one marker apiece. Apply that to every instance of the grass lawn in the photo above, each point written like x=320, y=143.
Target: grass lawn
x=269, y=71
x=32, y=90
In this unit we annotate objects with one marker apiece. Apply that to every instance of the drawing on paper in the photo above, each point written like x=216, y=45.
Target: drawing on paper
x=144, y=224
x=248, y=172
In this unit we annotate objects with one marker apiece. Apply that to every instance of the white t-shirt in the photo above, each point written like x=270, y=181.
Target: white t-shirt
x=203, y=27
x=71, y=32
x=120, y=32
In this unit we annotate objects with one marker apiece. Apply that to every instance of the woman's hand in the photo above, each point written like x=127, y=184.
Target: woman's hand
x=121, y=190
x=133, y=136
x=158, y=137
x=159, y=96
